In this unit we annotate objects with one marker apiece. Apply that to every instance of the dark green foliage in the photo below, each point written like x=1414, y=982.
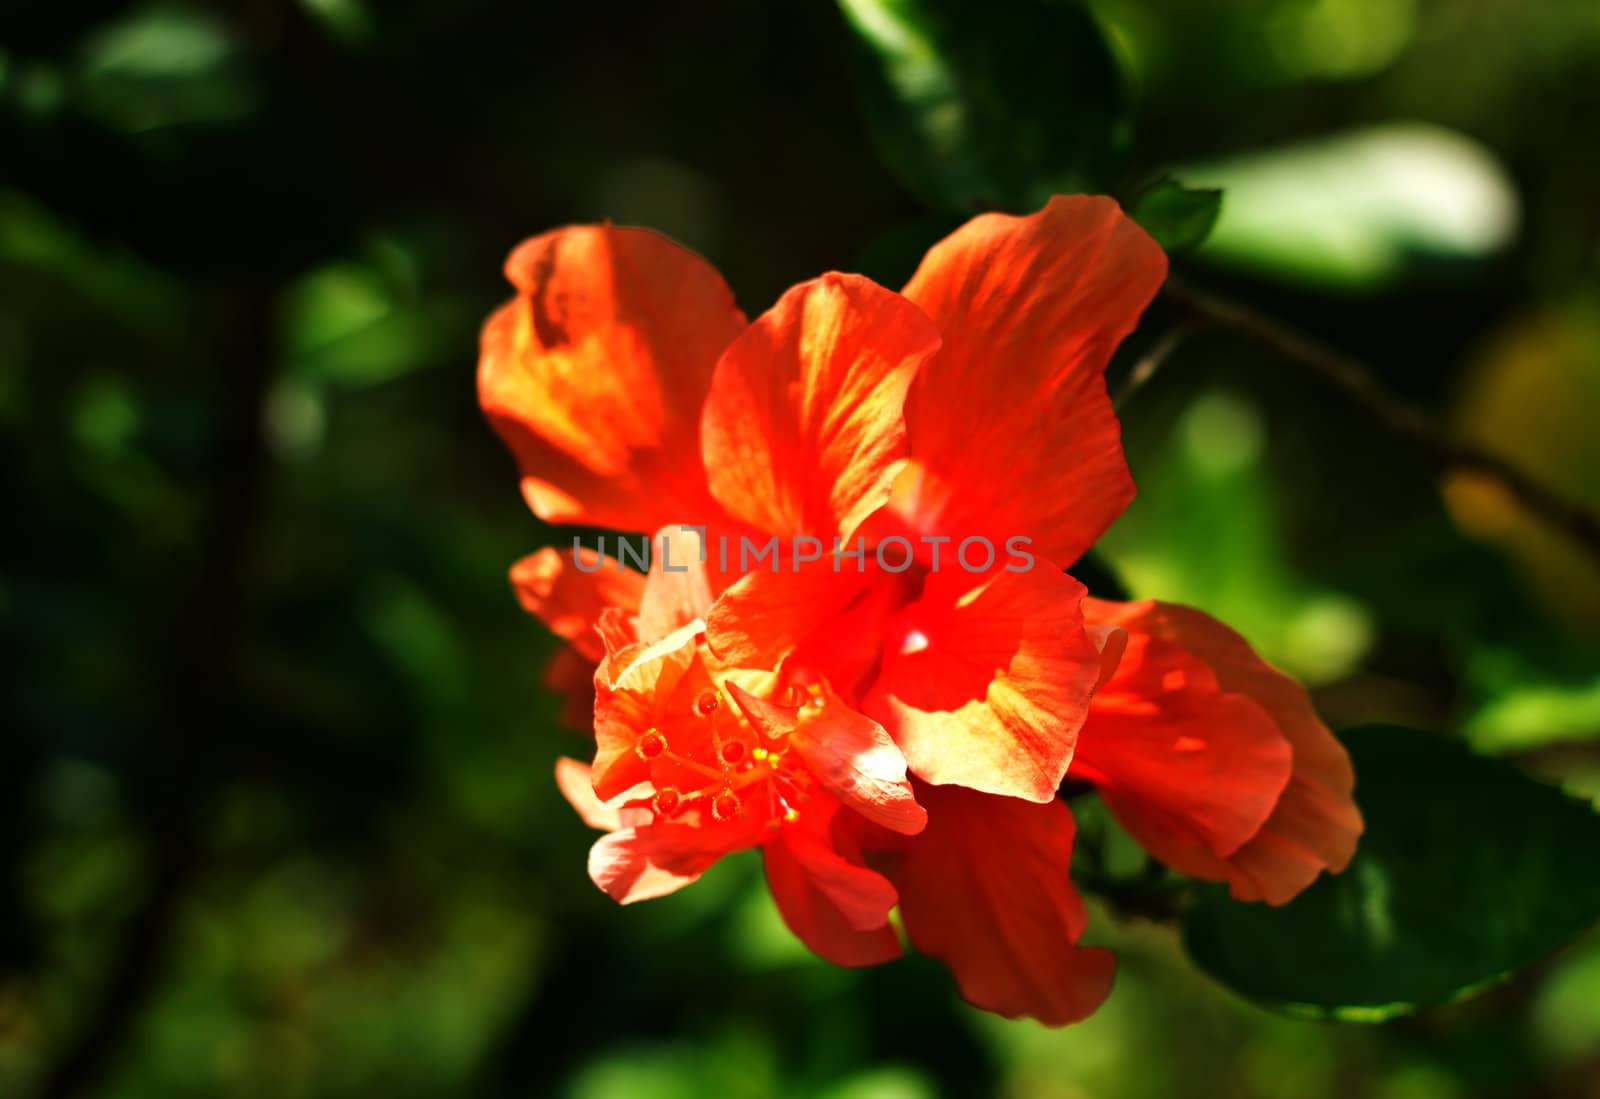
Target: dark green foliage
x=990, y=106
x=1469, y=871
x=1179, y=218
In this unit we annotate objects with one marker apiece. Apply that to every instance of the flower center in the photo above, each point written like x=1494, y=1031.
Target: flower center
x=710, y=765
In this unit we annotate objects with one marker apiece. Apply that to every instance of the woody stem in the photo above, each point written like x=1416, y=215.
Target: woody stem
x=1446, y=452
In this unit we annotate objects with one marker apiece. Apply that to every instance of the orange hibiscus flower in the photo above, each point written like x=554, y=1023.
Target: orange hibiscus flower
x=886, y=699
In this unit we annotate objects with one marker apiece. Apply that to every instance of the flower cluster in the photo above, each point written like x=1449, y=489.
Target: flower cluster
x=888, y=738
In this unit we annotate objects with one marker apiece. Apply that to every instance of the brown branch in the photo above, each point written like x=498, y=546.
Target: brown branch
x=1347, y=374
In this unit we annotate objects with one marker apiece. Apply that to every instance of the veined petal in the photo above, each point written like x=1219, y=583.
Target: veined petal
x=986, y=686
x=1314, y=823
x=804, y=421
x=826, y=894
x=765, y=615
x=628, y=862
x=1010, y=428
x=985, y=889
x=594, y=375
x=577, y=786
x=817, y=922
x=570, y=599
x=848, y=753
x=632, y=686
x=619, y=863
x=679, y=587
x=1183, y=764
x=617, y=630
x=651, y=857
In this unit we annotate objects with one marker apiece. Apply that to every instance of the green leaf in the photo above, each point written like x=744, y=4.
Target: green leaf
x=364, y=322
x=1361, y=210
x=1468, y=872
x=1525, y=704
x=1178, y=217
x=162, y=68
x=989, y=106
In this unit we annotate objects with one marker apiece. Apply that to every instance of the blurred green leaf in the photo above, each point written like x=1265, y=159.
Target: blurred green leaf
x=1339, y=39
x=1469, y=871
x=1525, y=705
x=1179, y=218
x=166, y=67
x=1566, y=1013
x=35, y=240
x=347, y=19
x=1359, y=210
x=360, y=323
x=737, y=1064
x=991, y=106
x=1214, y=460
x=888, y=1082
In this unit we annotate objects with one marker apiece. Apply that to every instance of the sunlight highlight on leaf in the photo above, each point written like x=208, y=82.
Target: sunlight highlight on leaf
x=1359, y=211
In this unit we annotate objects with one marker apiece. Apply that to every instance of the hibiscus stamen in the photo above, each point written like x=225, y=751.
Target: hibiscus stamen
x=743, y=764
x=726, y=805
x=714, y=774
x=774, y=818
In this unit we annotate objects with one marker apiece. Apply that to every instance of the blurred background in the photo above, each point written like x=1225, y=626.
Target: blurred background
x=276, y=809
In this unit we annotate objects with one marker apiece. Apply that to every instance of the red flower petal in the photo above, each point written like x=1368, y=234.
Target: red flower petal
x=631, y=688
x=1315, y=824
x=803, y=422
x=679, y=587
x=848, y=753
x=619, y=863
x=1010, y=424
x=570, y=600
x=834, y=905
x=987, y=688
x=595, y=373
x=985, y=889
x=650, y=858
x=765, y=614
x=1183, y=764
x=574, y=781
